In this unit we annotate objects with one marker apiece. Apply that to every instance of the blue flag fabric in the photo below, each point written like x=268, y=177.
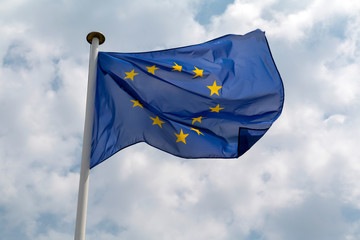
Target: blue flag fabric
x=211, y=100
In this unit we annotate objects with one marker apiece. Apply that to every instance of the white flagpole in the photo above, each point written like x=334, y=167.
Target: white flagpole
x=95, y=39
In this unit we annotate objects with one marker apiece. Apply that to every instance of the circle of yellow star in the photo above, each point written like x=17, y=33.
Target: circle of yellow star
x=157, y=121
x=197, y=130
x=214, y=89
x=181, y=137
x=177, y=67
x=216, y=109
x=198, y=72
x=152, y=69
x=131, y=74
x=137, y=103
x=198, y=119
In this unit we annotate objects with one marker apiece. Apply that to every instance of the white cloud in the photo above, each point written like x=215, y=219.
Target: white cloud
x=299, y=182
x=280, y=19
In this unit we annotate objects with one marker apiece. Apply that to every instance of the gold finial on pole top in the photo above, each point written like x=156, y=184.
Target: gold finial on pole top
x=97, y=35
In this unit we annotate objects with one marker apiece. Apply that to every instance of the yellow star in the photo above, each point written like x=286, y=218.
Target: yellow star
x=216, y=109
x=181, y=137
x=197, y=130
x=199, y=72
x=198, y=119
x=130, y=75
x=214, y=89
x=137, y=103
x=177, y=67
x=157, y=121
x=152, y=69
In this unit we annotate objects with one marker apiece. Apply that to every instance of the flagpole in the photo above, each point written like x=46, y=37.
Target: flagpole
x=95, y=39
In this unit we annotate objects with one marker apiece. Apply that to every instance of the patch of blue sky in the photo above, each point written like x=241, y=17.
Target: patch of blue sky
x=210, y=8
x=334, y=28
x=350, y=213
x=8, y=229
x=337, y=26
x=76, y=168
x=109, y=227
x=266, y=177
x=48, y=221
x=329, y=33
x=56, y=82
x=255, y=235
x=15, y=57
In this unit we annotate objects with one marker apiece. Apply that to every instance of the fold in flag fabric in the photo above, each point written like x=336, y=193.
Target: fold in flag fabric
x=211, y=100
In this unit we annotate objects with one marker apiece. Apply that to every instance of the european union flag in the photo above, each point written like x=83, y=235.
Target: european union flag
x=211, y=100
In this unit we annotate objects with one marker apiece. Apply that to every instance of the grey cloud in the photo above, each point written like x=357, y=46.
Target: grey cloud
x=299, y=182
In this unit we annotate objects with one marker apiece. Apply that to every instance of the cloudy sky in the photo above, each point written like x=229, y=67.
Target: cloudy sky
x=301, y=181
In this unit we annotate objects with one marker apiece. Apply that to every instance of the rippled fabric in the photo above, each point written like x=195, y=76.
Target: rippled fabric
x=211, y=100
